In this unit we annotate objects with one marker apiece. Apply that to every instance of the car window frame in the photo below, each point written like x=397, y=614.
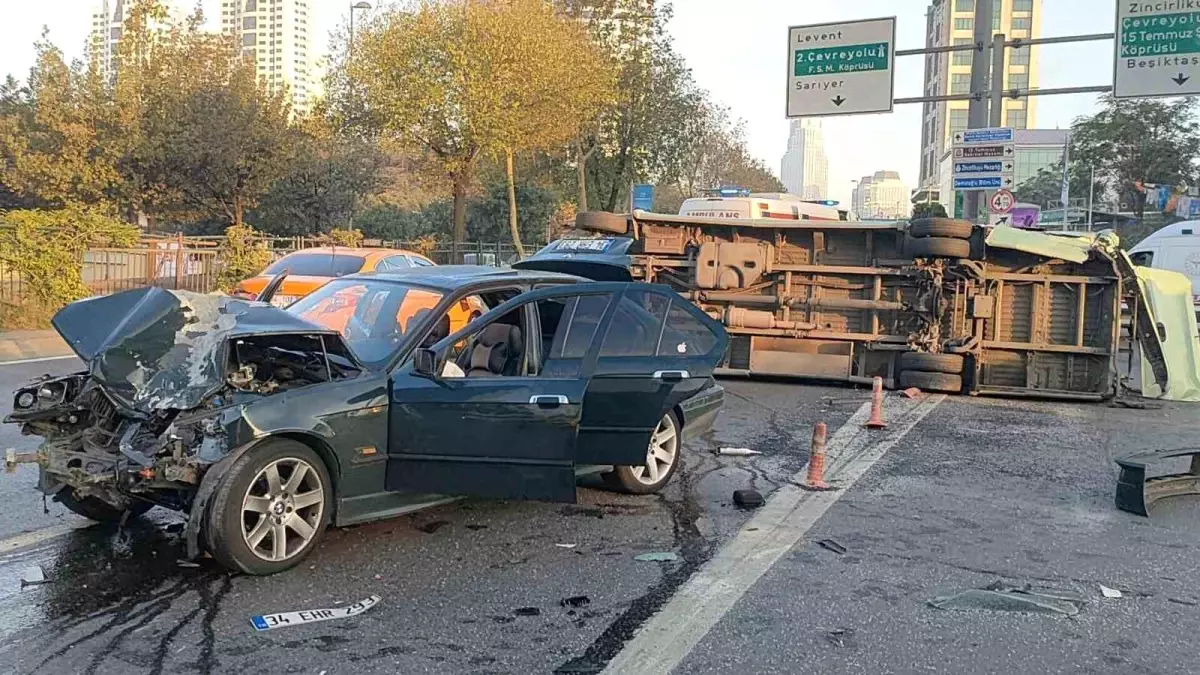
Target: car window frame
x=384, y=261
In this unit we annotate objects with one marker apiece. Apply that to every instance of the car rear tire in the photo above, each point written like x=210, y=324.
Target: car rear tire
x=271, y=508
x=932, y=363
x=662, y=459
x=941, y=227
x=944, y=382
x=97, y=510
x=939, y=247
x=602, y=221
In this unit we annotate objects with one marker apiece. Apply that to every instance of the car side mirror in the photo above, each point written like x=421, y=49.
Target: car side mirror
x=425, y=363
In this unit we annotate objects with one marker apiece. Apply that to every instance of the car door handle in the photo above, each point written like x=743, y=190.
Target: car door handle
x=671, y=375
x=549, y=400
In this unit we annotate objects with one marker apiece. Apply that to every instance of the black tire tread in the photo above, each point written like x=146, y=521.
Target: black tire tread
x=943, y=382
x=939, y=247
x=941, y=227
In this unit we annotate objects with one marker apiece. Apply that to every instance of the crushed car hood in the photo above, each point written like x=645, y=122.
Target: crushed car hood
x=154, y=349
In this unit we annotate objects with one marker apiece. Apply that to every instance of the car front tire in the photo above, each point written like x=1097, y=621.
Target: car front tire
x=662, y=459
x=271, y=508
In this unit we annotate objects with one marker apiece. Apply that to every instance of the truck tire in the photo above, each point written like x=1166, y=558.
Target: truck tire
x=602, y=221
x=263, y=490
x=951, y=384
x=97, y=510
x=941, y=227
x=932, y=363
x=939, y=247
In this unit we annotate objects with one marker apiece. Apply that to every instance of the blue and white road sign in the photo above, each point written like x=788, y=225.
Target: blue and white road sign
x=979, y=183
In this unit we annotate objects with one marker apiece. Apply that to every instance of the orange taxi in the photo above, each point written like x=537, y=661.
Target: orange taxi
x=309, y=269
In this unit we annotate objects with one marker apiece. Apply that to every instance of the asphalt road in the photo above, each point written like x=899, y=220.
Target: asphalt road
x=475, y=586
x=978, y=491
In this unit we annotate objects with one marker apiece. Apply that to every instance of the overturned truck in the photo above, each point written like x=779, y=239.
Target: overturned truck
x=937, y=304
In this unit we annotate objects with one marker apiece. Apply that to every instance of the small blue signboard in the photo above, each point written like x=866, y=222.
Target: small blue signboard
x=990, y=135
x=643, y=197
x=979, y=183
x=978, y=167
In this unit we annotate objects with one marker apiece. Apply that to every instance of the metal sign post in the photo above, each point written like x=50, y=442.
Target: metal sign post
x=841, y=68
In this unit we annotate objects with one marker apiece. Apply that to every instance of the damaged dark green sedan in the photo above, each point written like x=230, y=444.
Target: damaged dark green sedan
x=357, y=403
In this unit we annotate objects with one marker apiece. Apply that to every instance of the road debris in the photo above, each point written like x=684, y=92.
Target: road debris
x=737, y=452
x=840, y=637
x=1136, y=493
x=33, y=576
x=476, y=526
x=186, y=564
x=566, y=545
x=1109, y=592
x=749, y=499
x=1190, y=602
x=913, y=393
x=575, y=601
x=1133, y=405
x=831, y=545
x=658, y=556
x=378, y=577
x=430, y=528
x=998, y=597
x=527, y=611
x=269, y=621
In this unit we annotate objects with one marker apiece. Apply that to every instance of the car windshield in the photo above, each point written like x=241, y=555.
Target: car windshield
x=371, y=314
x=316, y=265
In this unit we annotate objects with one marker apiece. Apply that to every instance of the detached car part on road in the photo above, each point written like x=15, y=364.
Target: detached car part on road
x=939, y=304
x=264, y=425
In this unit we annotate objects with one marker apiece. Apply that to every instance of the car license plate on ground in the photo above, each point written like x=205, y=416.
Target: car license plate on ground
x=269, y=621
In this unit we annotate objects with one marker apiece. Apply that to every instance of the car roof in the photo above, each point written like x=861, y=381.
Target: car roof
x=357, y=252
x=453, y=277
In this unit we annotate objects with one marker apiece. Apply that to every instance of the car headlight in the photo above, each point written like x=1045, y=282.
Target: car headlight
x=25, y=399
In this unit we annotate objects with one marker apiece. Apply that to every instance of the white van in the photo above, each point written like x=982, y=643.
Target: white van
x=1175, y=247
x=771, y=205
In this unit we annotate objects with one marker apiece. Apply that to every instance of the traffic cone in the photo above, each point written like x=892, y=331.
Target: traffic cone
x=816, y=461
x=876, y=421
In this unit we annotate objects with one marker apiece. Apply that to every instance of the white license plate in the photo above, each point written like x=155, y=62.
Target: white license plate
x=282, y=301
x=269, y=621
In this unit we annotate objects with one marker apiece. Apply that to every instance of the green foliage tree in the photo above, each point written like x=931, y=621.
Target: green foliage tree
x=45, y=248
x=928, y=210
x=1045, y=187
x=1130, y=142
x=242, y=254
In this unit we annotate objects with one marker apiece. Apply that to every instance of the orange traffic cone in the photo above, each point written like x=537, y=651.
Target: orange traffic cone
x=816, y=461
x=876, y=421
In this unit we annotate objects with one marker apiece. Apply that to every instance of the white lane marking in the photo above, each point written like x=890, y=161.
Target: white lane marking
x=663, y=642
x=37, y=360
x=26, y=539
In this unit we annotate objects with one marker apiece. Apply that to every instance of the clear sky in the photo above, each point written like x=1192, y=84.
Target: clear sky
x=737, y=50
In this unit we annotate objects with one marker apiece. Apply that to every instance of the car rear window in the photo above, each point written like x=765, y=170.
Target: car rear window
x=316, y=265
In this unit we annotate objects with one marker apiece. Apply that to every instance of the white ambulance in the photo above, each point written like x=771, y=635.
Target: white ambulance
x=755, y=206
x=1175, y=247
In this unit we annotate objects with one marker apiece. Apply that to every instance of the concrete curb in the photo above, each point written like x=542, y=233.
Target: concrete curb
x=32, y=344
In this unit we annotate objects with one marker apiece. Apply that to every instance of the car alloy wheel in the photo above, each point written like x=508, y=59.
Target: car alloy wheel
x=282, y=509
x=661, y=454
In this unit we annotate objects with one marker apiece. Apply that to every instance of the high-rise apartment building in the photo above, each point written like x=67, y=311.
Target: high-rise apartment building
x=881, y=196
x=953, y=22
x=276, y=34
x=108, y=24
x=805, y=166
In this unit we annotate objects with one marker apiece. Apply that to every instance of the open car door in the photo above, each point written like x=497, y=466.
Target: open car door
x=494, y=409
x=657, y=350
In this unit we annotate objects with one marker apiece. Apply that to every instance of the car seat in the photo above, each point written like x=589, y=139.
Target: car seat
x=495, y=351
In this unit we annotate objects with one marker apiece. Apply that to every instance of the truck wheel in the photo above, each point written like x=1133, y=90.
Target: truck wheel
x=932, y=363
x=939, y=247
x=602, y=221
x=270, y=509
x=941, y=227
x=951, y=384
x=662, y=458
x=95, y=509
